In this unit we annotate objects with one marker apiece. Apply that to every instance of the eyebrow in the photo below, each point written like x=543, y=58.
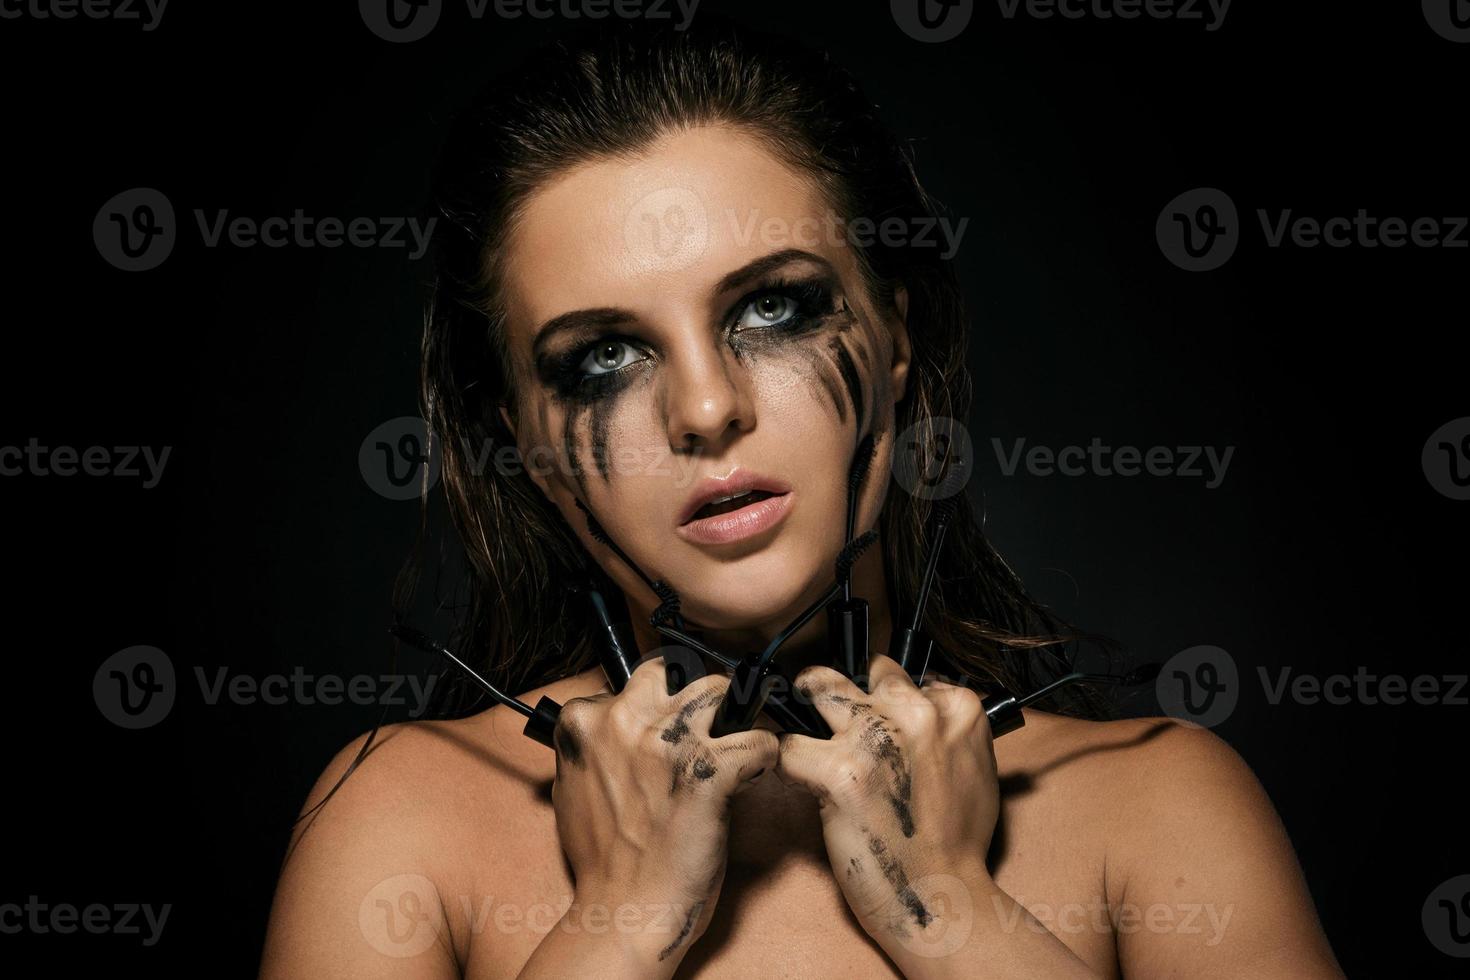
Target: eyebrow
x=611, y=316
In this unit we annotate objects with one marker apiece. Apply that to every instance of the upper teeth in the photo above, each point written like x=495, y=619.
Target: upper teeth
x=721, y=500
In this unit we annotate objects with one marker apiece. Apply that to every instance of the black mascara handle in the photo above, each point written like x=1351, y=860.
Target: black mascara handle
x=795, y=715
x=751, y=692
x=744, y=698
x=912, y=649
x=542, y=722
x=1004, y=711
x=847, y=636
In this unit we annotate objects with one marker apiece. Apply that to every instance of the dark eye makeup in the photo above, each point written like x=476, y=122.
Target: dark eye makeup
x=777, y=309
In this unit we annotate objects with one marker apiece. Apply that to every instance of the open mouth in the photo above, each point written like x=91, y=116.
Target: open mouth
x=737, y=517
x=731, y=503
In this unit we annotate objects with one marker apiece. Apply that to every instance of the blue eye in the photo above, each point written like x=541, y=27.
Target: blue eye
x=606, y=357
x=769, y=309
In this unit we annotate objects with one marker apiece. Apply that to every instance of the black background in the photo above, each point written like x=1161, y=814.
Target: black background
x=1325, y=549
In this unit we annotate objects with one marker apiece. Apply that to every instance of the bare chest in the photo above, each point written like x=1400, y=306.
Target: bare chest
x=781, y=911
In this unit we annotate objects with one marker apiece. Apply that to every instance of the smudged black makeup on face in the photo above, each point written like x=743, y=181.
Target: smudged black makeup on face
x=598, y=355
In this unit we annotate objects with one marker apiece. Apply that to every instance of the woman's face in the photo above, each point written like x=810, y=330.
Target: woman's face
x=681, y=318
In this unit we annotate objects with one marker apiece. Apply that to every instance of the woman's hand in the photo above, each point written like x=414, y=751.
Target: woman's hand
x=642, y=797
x=908, y=797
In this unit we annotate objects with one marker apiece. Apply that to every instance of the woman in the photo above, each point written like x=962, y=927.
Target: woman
x=664, y=278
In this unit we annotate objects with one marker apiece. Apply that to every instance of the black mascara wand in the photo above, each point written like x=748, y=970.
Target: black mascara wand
x=541, y=720
x=668, y=607
x=911, y=648
x=847, y=618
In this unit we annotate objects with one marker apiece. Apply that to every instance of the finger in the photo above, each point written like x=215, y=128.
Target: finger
x=959, y=707
x=752, y=753
x=690, y=712
x=839, y=701
x=719, y=767
x=646, y=693
x=576, y=725
x=807, y=762
x=892, y=690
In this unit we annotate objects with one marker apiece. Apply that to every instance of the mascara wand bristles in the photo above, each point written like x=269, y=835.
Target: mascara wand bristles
x=668, y=599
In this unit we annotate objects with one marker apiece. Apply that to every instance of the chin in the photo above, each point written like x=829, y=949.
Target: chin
x=767, y=588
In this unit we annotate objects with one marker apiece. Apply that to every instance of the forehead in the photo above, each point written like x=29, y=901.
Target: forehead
x=655, y=232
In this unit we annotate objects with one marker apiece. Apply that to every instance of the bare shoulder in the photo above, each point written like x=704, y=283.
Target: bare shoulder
x=1142, y=777
x=408, y=814
x=1190, y=837
x=422, y=774
x=1125, y=751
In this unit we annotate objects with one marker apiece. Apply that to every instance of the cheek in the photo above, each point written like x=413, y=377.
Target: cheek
x=607, y=440
x=798, y=395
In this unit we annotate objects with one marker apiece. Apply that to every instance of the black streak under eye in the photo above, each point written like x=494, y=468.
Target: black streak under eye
x=813, y=301
x=563, y=373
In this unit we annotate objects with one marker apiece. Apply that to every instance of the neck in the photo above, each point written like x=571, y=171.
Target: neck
x=808, y=645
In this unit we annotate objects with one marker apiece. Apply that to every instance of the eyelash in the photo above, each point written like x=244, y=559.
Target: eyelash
x=813, y=302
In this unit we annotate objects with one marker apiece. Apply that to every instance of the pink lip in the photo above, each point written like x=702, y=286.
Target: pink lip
x=738, y=481
x=739, y=524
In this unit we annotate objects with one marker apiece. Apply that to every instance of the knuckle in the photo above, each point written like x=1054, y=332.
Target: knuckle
x=703, y=691
x=578, y=713
x=964, y=704
x=816, y=677
x=851, y=771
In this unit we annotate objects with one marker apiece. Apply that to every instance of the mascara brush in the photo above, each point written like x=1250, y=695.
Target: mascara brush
x=847, y=618
x=911, y=648
x=541, y=720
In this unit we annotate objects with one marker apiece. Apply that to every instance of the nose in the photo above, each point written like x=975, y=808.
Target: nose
x=708, y=397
